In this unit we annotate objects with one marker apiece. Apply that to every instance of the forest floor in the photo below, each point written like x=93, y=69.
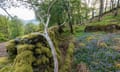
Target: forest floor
x=3, y=49
x=100, y=51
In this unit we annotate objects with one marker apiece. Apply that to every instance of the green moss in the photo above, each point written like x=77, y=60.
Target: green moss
x=21, y=48
x=38, y=51
x=39, y=54
x=39, y=45
x=25, y=57
x=64, y=65
x=70, y=49
x=3, y=60
x=23, y=68
x=42, y=60
x=11, y=48
x=29, y=36
x=37, y=62
x=23, y=62
x=6, y=69
x=68, y=58
x=43, y=49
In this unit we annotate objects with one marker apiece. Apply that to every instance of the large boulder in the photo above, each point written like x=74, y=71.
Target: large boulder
x=31, y=53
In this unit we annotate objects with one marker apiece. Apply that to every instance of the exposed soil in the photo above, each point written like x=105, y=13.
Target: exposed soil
x=3, y=49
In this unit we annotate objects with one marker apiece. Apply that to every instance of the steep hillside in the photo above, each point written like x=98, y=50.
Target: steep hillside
x=97, y=51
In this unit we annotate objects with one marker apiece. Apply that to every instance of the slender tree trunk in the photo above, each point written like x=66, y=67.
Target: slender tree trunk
x=87, y=11
x=106, y=4
x=60, y=30
x=46, y=35
x=79, y=15
x=70, y=22
x=100, y=10
x=116, y=11
x=92, y=15
x=68, y=10
x=112, y=5
x=93, y=10
x=53, y=51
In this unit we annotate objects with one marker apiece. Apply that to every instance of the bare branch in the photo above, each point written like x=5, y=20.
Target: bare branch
x=34, y=8
x=39, y=33
x=49, y=8
x=48, y=19
x=6, y=12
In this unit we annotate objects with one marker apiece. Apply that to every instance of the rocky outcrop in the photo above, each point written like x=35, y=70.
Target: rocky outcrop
x=105, y=28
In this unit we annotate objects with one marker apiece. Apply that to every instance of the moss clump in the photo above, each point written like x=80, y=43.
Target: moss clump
x=25, y=57
x=68, y=58
x=30, y=36
x=23, y=62
x=42, y=60
x=23, y=68
x=21, y=48
x=6, y=69
x=11, y=49
x=3, y=60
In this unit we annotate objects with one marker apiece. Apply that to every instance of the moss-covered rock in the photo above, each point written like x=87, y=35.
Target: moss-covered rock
x=105, y=28
x=32, y=53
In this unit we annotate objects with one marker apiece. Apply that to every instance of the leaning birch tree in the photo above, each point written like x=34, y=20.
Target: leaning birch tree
x=45, y=34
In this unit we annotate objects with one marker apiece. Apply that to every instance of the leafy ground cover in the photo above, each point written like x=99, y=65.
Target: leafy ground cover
x=99, y=51
x=107, y=18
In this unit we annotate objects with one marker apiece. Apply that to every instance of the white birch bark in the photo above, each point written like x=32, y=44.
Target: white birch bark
x=46, y=35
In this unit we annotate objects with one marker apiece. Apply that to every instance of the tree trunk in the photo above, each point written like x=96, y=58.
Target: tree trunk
x=53, y=52
x=100, y=10
x=116, y=11
x=70, y=22
x=112, y=5
x=92, y=15
x=68, y=10
x=106, y=4
x=51, y=44
x=60, y=30
x=47, y=37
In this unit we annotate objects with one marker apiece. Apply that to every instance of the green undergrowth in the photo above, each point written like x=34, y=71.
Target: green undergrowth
x=79, y=30
x=2, y=38
x=99, y=51
x=107, y=19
